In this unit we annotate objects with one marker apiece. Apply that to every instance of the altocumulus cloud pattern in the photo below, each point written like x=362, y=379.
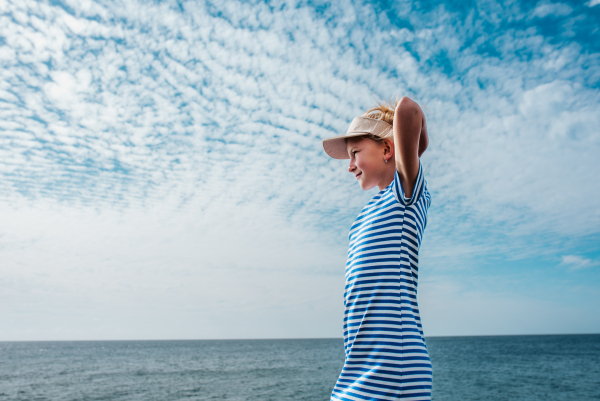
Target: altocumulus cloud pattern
x=199, y=108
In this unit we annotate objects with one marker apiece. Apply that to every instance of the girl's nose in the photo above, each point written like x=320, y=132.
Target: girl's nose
x=351, y=167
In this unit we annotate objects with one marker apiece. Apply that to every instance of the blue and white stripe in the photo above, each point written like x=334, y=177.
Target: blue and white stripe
x=386, y=355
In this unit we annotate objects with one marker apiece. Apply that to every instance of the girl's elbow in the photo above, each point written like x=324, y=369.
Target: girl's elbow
x=407, y=105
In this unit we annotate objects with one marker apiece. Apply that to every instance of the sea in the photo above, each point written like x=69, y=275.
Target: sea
x=491, y=368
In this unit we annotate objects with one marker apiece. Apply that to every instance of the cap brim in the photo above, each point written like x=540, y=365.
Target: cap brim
x=336, y=147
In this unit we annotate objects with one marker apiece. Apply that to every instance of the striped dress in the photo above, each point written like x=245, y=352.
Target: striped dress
x=386, y=355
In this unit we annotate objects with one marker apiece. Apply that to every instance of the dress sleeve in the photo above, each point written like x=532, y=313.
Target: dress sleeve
x=417, y=190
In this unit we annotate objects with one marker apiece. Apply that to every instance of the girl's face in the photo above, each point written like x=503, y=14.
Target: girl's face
x=367, y=162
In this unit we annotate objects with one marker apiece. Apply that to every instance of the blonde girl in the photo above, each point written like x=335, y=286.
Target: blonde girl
x=386, y=355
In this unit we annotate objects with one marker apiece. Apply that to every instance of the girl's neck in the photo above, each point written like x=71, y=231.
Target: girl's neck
x=387, y=178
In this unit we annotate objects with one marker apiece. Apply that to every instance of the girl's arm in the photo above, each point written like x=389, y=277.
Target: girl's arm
x=410, y=141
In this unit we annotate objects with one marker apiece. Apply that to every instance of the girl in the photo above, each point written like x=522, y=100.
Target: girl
x=386, y=356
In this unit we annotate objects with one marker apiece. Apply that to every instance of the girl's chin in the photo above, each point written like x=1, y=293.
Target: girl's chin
x=365, y=187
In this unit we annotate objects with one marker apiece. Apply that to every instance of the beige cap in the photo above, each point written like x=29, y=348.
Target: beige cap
x=336, y=146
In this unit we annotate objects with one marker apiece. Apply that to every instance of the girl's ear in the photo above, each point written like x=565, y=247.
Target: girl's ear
x=388, y=147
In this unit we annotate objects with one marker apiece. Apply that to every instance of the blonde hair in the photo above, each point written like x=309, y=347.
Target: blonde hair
x=384, y=111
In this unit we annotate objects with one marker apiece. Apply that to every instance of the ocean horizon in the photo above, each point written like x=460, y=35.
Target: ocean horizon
x=288, y=338
x=508, y=367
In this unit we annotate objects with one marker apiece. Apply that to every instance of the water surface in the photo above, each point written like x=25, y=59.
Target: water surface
x=548, y=368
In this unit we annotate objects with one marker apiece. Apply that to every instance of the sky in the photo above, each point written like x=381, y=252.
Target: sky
x=162, y=173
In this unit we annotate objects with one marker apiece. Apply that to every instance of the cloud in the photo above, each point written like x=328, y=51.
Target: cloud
x=577, y=262
x=545, y=9
x=593, y=3
x=148, y=103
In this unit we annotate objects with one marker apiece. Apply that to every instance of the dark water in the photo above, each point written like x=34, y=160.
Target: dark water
x=465, y=368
